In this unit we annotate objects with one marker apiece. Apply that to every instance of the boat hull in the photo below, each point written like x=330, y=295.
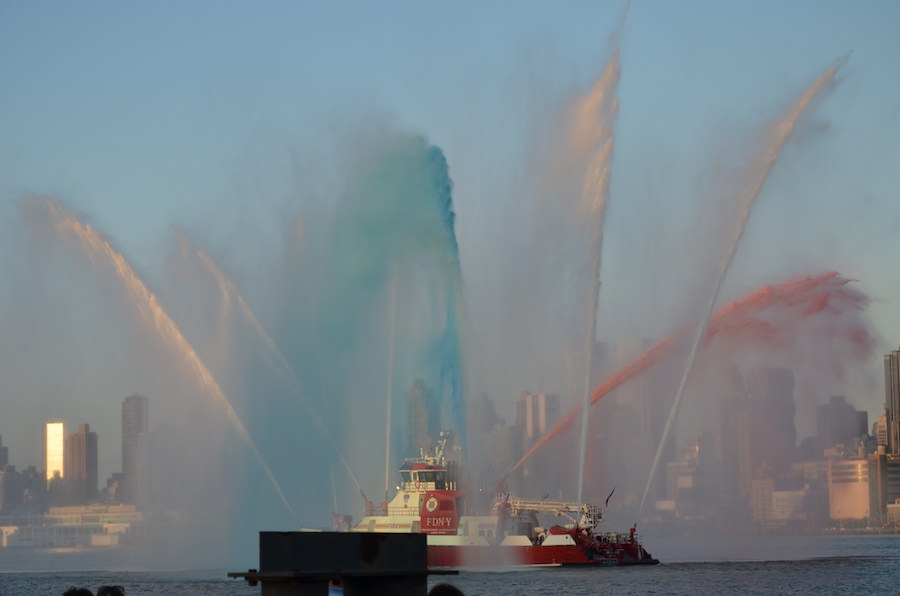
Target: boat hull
x=504, y=556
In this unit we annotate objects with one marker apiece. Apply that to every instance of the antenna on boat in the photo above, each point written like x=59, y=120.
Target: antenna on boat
x=608, y=497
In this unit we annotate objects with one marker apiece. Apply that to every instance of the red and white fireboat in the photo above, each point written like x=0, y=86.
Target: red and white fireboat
x=431, y=501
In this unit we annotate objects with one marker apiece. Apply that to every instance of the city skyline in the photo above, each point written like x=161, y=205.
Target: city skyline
x=765, y=399
x=536, y=413
x=273, y=220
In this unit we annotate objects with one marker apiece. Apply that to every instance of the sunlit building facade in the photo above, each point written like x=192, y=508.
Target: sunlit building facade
x=54, y=450
x=849, y=489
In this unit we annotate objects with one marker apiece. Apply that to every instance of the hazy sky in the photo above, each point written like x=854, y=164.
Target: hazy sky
x=215, y=115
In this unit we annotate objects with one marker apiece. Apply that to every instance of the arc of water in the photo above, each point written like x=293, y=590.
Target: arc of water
x=228, y=288
x=152, y=311
x=781, y=134
x=602, y=107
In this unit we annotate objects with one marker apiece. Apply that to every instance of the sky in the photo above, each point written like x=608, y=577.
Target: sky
x=230, y=118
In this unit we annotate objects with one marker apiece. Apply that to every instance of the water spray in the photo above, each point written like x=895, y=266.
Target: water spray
x=229, y=291
x=792, y=302
x=596, y=114
x=100, y=250
x=780, y=134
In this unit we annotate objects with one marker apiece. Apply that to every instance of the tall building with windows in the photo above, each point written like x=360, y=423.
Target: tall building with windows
x=54, y=449
x=892, y=400
x=535, y=415
x=81, y=465
x=4, y=454
x=418, y=416
x=837, y=422
x=134, y=444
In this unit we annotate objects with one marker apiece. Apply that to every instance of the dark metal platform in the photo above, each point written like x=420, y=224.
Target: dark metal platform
x=303, y=563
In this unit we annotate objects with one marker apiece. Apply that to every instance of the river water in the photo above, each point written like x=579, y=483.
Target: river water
x=758, y=565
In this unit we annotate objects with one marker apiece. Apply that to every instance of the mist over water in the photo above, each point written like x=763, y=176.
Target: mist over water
x=269, y=383
x=251, y=416
x=781, y=133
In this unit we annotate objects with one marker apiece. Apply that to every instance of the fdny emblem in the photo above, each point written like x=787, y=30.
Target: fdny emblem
x=431, y=504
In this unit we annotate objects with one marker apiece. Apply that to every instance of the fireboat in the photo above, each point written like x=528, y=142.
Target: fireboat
x=431, y=500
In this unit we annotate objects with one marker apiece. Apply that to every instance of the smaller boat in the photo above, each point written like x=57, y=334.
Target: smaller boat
x=430, y=499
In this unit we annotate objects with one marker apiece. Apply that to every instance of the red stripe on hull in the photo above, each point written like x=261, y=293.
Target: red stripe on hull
x=497, y=556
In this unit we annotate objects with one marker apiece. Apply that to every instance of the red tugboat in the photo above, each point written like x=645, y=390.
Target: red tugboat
x=431, y=501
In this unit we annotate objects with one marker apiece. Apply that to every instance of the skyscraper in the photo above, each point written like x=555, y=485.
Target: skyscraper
x=54, y=448
x=892, y=400
x=134, y=433
x=837, y=422
x=419, y=417
x=81, y=465
x=536, y=414
x=4, y=454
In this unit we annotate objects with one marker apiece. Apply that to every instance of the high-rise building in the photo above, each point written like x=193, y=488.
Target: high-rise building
x=851, y=485
x=772, y=411
x=54, y=449
x=837, y=422
x=880, y=430
x=423, y=418
x=482, y=416
x=4, y=454
x=892, y=400
x=10, y=496
x=535, y=415
x=81, y=465
x=32, y=488
x=134, y=438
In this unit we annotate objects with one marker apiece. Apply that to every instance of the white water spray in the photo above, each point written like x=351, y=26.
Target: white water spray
x=154, y=314
x=229, y=292
x=781, y=132
x=593, y=121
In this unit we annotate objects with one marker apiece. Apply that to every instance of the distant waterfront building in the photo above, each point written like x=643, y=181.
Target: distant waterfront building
x=788, y=505
x=639, y=391
x=758, y=435
x=535, y=415
x=889, y=472
x=771, y=393
x=134, y=437
x=892, y=400
x=81, y=465
x=761, y=491
x=837, y=422
x=851, y=485
x=419, y=418
x=880, y=430
x=8, y=488
x=482, y=416
x=54, y=450
x=4, y=454
x=32, y=487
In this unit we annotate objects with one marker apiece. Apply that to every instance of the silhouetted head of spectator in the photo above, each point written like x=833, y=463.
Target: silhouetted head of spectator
x=110, y=591
x=73, y=591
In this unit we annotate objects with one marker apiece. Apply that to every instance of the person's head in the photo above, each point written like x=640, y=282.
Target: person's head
x=445, y=590
x=73, y=591
x=110, y=591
